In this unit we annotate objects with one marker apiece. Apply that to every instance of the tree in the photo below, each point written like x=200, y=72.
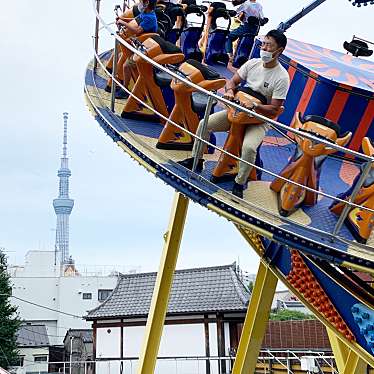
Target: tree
x=250, y=286
x=287, y=315
x=9, y=320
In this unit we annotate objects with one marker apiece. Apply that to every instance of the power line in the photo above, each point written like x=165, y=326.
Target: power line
x=43, y=306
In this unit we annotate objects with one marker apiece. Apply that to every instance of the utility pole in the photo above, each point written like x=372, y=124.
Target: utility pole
x=71, y=354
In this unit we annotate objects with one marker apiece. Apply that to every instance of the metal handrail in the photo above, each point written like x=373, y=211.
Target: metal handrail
x=227, y=102
x=247, y=204
x=315, y=355
x=273, y=123
x=271, y=356
x=206, y=142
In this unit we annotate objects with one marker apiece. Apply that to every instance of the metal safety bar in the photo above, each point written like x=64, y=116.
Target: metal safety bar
x=228, y=102
x=206, y=142
x=363, y=40
x=199, y=144
x=97, y=24
x=273, y=123
x=113, y=92
x=258, y=209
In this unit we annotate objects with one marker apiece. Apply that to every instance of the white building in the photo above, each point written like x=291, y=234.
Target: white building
x=41, y=281
x=286, y=300
x=205, y=316
x=33, y=346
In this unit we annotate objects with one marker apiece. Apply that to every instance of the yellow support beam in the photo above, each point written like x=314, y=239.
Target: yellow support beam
x=354, y=364
x=339, y=349
x=255, y=321
x=347, y=361
x=161, y=292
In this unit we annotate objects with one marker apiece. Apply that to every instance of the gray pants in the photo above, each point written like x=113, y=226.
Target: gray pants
x=253, y=137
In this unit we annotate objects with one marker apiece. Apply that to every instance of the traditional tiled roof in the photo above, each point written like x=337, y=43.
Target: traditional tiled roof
x=32, y=336
x=84, y=334
x=198, y=290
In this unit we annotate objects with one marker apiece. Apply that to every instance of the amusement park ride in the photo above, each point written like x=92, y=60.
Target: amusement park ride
x=308, y=210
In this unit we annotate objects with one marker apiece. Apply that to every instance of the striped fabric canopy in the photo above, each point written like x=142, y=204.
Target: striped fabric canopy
x=329, y=84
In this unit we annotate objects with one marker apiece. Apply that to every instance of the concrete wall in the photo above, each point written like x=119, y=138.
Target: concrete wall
x=29, y=364
x=180, y=340
x=40, y=282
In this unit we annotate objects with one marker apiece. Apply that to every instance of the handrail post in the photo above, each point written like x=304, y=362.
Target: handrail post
x=97, y=23
x=200, y=144
x=355, y=191
x=114, y=72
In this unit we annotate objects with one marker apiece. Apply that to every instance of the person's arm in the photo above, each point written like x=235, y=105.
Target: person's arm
x=122, y=18
x=279, y=95
x=261, y=12
x=269, y=110
x=241, y=16
x=132, y=26
x=230, y=86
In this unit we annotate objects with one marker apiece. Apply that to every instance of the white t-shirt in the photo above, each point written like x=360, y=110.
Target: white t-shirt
x=250, y=8
x=273, y=83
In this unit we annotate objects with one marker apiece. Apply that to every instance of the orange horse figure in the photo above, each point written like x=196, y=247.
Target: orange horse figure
x=189, y=105
x=146, y=86
x=359, y=221
x=227, y=166
x=305, y=165
x=124, y=54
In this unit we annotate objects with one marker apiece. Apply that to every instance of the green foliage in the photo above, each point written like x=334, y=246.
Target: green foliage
x=9, y=320
x=250, y=286
x=287, y=315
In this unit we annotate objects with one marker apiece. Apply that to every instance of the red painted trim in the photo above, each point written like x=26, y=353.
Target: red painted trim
x=307, y=94
x=363, y=126
x=337, y=105
x=291, y=72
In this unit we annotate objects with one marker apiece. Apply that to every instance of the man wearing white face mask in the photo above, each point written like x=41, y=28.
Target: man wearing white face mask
x=264, y=75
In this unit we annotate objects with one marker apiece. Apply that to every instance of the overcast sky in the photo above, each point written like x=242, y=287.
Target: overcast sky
x=120, y=212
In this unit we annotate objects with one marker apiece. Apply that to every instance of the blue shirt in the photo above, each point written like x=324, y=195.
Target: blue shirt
x=147, y=21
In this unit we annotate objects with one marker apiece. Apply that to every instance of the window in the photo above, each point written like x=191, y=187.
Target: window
x=103, y=294
x=40, y=358
x=87, y=296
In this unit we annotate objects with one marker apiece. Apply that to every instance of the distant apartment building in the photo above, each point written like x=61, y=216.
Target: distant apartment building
x=43, y=284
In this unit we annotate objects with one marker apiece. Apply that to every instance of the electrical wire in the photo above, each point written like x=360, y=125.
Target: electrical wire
x=44, y=307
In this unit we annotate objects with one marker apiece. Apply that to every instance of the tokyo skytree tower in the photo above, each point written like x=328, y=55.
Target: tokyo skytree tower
x=63, y=205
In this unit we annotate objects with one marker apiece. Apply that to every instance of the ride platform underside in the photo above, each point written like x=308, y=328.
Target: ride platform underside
x=315, y=253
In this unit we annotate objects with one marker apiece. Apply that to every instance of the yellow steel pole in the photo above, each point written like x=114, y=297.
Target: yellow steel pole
x=161, y=292
x=347, y=361
x=339, y=349
x=354, y=364
x=255, y=321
